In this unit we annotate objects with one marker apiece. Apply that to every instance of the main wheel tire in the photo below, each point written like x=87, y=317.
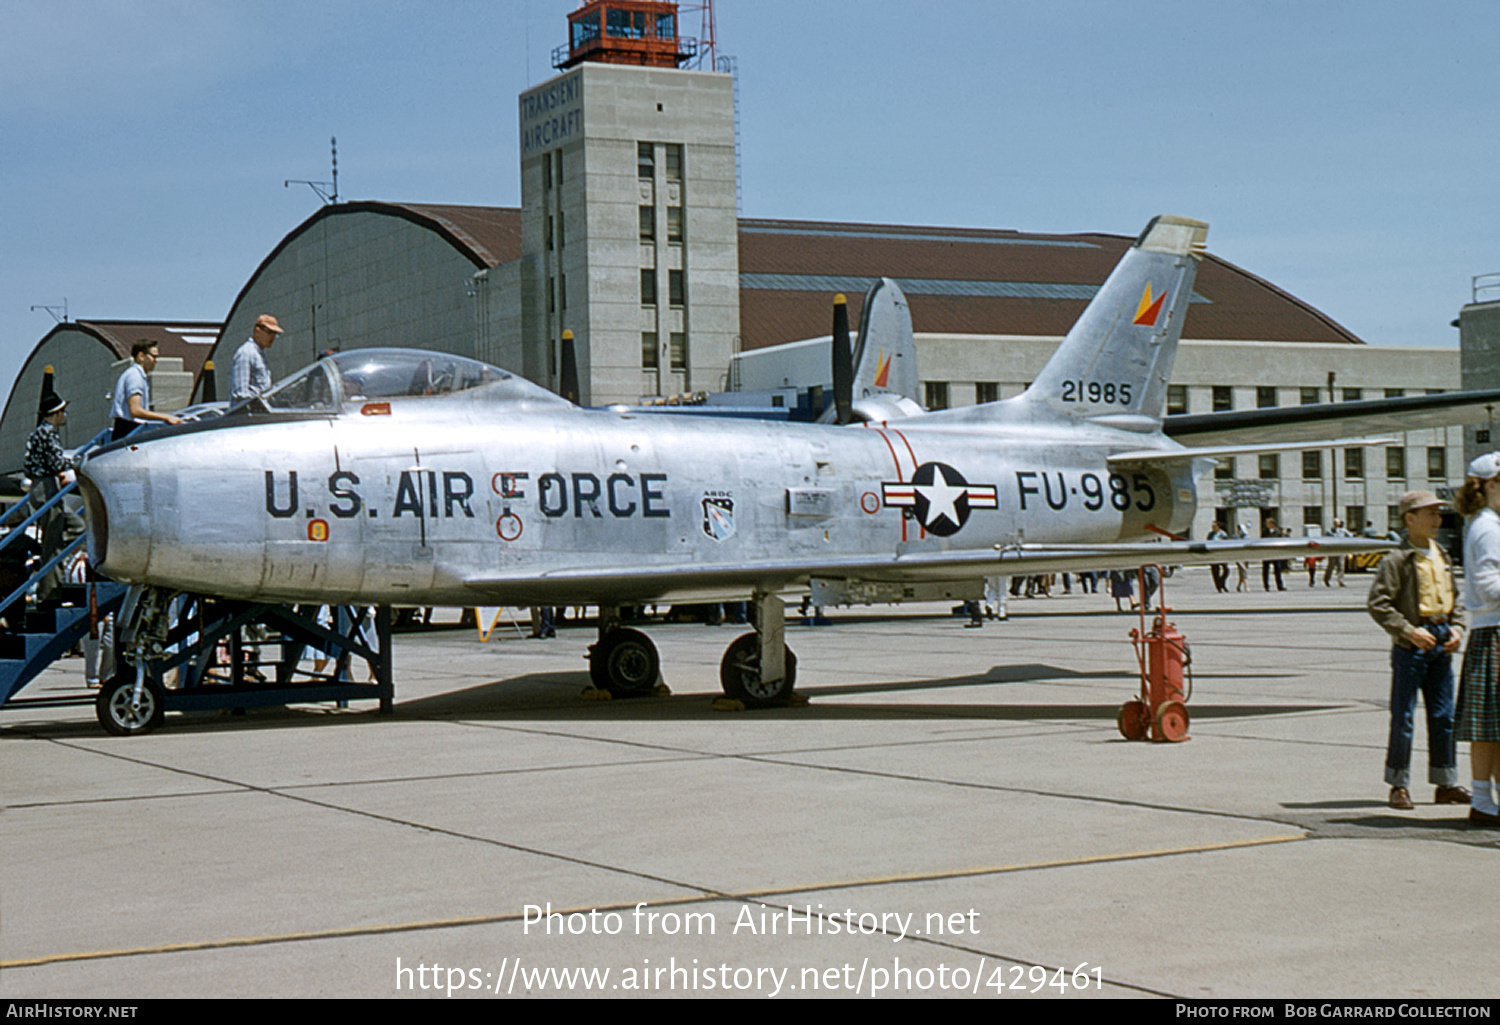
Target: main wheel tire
x=625, y=663
x=739, y=674
x=118, y=712
x=1134, y=719
x=1171, y=721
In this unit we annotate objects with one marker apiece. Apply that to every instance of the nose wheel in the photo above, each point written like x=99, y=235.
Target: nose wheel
x=624, y=662
x=128, y=710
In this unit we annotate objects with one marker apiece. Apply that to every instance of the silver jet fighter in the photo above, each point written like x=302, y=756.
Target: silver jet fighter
x=408, y=477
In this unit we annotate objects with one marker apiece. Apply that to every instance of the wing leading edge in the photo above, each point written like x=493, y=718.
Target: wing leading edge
x=1316, y=423
x=647, y=583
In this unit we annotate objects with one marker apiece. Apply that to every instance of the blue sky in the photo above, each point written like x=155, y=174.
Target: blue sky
x=1345, y=151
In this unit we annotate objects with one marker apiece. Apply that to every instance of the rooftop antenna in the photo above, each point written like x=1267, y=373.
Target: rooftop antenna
x=328, y=192
x=59, y=313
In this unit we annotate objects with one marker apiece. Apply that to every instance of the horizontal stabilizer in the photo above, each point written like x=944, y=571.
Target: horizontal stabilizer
x=1343, y=419
x=1156, y=455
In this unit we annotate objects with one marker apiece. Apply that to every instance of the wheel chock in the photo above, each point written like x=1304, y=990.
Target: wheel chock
x=595, y=694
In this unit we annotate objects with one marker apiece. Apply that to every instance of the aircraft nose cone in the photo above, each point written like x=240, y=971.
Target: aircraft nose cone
x=113, y=486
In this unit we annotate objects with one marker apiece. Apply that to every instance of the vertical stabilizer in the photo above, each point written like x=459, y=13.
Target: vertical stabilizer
x=885, y=355
x=1114, y=364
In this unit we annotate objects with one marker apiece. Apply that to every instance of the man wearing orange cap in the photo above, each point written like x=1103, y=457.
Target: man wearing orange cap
x=248, y=375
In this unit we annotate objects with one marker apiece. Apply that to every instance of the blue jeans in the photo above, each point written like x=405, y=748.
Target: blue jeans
x=1430, y=672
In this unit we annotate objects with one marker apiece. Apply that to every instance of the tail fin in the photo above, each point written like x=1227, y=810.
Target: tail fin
x=1114, y=364
x=885, y=354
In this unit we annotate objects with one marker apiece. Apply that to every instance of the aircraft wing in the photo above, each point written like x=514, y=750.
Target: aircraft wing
x=1333, y=419
x=622, y=585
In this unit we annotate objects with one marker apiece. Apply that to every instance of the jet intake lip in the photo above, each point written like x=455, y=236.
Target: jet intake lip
x=97, y=519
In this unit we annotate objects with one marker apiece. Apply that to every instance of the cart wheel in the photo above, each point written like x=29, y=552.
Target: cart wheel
x=1134, y=720
x=118, y=711
x=1172, y=721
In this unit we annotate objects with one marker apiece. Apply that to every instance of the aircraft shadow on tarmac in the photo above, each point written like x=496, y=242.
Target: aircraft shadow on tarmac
x=551, y=696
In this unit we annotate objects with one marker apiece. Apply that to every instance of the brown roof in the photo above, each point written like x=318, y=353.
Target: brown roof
x=493, y=233
x=173, y=338
x=976, y=281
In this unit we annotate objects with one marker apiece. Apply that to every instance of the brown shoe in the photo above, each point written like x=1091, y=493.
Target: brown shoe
x=1482, y=818
x=1451, y=795
x=1401, y=799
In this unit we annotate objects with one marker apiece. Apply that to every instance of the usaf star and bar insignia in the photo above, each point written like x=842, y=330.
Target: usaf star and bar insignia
x=939, y=497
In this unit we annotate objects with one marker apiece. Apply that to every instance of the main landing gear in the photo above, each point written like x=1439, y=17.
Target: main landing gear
x=758, y=668
x=623, y=661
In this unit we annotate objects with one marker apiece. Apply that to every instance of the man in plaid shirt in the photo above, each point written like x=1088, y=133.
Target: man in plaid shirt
x=45, y=464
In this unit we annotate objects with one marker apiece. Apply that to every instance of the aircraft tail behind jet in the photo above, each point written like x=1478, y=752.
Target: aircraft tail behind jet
x=885, y=357
x=1114, y=364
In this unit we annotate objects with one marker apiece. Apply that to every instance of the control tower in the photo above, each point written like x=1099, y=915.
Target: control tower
x=629, y=222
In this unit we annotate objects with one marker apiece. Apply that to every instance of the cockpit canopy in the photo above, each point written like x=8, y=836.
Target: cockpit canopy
x=381, y=375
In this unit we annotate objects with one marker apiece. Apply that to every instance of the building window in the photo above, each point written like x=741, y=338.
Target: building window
x=549, y=233
x=1353, y=394
x=1224, y=469
x=1265, y=398
x=676, y=288
x=1354, y=464
x=648, y=287
x=1437, y=463
x=937, y=394
x=648, y=224
x=650, y=351
x=1270, y=465
x=1395, y=463
x=558, y=154
x=562, y=234
x=1354, y=518
x=674, y=162
x=645, y=160
x=1394, y=393
x=678, y=341
x=562, y=291
x=547, y=172
x=551, y=295
x=986, y=391
x=1393, y=518
x=1312, y=465
x=1312, y=516
x=1223, y=398
x=674, y=224
x=1177, y=399
x=1436, y=391
x=1310, y=396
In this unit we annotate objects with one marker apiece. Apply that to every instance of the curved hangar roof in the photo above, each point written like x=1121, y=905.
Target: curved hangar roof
x=976, y=281
x=390, y=285
x=87, y=359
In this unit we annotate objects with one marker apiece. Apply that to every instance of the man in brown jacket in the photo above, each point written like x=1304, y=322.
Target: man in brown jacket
x=1414, y=600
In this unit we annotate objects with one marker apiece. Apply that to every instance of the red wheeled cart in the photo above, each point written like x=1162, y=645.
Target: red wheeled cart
x=1160, y=713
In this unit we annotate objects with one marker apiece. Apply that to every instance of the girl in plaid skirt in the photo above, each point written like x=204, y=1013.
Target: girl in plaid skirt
x=1479, y=686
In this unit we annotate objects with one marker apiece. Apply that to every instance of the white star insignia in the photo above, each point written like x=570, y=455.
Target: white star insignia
x=940, y=497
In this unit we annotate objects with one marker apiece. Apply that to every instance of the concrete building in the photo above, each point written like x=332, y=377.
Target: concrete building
x=1479, y=342
x=629, y=234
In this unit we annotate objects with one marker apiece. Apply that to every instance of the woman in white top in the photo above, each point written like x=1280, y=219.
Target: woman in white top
x=1479, y=687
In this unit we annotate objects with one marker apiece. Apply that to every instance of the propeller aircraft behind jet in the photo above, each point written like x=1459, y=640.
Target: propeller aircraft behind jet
x=390, y=476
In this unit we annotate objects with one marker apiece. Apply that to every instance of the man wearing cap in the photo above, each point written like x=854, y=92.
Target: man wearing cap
x=46, y=464
x=248, y=375
x=132, y=400
x=1414, y=600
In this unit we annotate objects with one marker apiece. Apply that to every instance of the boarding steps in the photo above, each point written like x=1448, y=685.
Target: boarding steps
x=52, y=628
x=50, y=632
